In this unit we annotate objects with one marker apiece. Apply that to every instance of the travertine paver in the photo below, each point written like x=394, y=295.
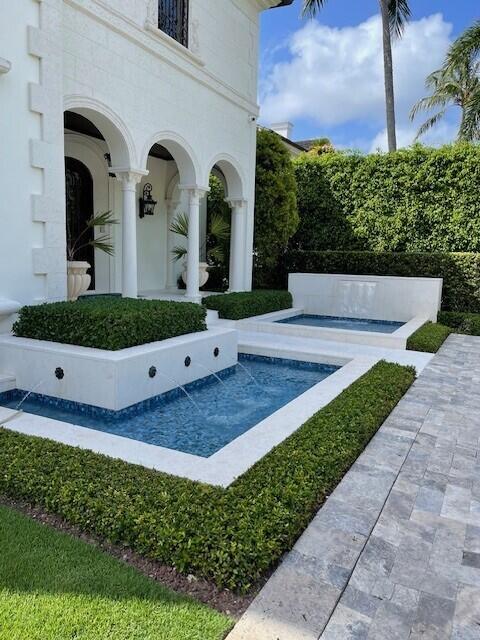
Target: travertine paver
x=394, y=554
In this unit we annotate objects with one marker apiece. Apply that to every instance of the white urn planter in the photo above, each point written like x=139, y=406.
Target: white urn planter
x=78, y=280
x=203, y=274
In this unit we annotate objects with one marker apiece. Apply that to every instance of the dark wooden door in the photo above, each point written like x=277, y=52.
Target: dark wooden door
x=79, y=205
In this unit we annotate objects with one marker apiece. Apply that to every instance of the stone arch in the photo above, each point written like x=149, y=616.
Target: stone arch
x=183, y=155
x=117, y=135
x=232, y=171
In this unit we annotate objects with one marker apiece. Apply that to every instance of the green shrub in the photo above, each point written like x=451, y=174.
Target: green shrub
x=276, y=215
x=109, y=322
x=468, y=323
x=418, y=199
x=428, y=338
x=229, y=535
x=235, y=306
x=460, y=271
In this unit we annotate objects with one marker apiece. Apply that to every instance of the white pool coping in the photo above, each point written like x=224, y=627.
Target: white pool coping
x=223, y=467
x=269, y=323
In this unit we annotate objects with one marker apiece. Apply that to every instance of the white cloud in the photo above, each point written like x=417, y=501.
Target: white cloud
x=335, y=76
x=444, y=132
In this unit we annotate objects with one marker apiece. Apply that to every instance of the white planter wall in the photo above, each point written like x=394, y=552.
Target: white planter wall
x=115, y=379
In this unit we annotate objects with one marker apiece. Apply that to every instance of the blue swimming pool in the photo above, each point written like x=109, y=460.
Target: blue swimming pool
x=216, y=413
x=351, y=324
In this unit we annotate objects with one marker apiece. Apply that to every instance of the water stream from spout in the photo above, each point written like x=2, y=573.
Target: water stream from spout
x=212, y=373
x=180, y=386
x=27, y=395
x=252, y=377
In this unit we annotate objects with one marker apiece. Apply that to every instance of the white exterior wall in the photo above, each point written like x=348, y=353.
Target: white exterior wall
x=106, y=60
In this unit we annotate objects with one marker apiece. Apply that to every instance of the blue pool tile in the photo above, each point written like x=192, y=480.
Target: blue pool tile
x=215, y=414
x=349, y=324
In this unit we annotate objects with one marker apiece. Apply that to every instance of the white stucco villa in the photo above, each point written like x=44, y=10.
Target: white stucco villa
x=102, y=97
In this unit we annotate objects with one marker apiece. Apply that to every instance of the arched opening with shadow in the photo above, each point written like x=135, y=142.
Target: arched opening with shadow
x=172, y=183
x=93, y=144
x=225, y=224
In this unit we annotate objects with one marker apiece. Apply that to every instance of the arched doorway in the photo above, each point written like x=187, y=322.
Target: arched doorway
x=79, y=209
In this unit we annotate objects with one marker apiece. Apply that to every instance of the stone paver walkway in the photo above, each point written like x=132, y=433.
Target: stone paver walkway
x=394, y=554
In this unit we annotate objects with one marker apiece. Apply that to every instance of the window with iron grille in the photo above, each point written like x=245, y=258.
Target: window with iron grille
x=173, y=19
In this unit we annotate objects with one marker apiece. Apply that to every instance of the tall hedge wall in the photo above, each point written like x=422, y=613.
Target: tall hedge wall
x=418, y=199
x=460, y=271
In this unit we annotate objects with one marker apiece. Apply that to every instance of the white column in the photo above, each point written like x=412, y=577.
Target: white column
x=193, y=242
x=172, y=206
x=237, y=245
x=129, y=180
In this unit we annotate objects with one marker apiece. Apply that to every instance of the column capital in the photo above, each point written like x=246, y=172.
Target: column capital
x=194, y=191
x=236, y=203
x=129, y=177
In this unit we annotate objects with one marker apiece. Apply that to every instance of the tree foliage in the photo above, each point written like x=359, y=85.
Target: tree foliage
x=418, y=199
x=276, y=215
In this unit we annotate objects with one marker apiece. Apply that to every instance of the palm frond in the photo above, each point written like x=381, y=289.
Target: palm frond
x=180, y=225
x=219, y=227
x=429, y=102
x=101, y=219
x=428, y=124
x=399, y=14
x=470, y=127
x=179, y=253
x=466, y=47
x=312, y=7
x=216, y=254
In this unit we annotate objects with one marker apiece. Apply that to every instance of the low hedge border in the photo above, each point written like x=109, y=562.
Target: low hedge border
x=428, y=338
x=236, y=306
x=460, y=271
x=468, y=323
x=232, y=535
x=109, y=322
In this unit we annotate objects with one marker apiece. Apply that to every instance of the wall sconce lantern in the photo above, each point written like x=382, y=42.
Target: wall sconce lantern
x=147, y=203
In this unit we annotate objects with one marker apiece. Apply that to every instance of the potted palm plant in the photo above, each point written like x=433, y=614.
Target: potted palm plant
x=78, y=280
x=212, y=249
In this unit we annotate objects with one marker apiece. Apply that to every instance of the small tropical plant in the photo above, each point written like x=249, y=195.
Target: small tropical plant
x=217, y=234
x=102, y=242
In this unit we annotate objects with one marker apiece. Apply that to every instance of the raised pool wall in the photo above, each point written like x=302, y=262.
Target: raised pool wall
x=413, y=301
x=116, y=379
x=371, y=297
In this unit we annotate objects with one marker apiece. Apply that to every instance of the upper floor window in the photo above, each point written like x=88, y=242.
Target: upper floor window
x=173, y=19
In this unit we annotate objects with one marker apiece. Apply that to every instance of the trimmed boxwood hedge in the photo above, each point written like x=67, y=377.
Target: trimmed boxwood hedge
x=235, y=306
x=229, y=535
x=468, y=323
x=428, y=338
x=417, y=199
x=460, y=271
x=109, y=322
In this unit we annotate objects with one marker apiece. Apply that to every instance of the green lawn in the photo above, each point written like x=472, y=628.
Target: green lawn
x=55, y=587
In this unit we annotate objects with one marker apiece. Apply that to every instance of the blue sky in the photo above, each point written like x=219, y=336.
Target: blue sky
x=326, y=76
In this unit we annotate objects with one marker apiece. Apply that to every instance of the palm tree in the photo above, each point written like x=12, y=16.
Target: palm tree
x=457, y=83
x=466, y=49
x=452, y=86
x=395, y=14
